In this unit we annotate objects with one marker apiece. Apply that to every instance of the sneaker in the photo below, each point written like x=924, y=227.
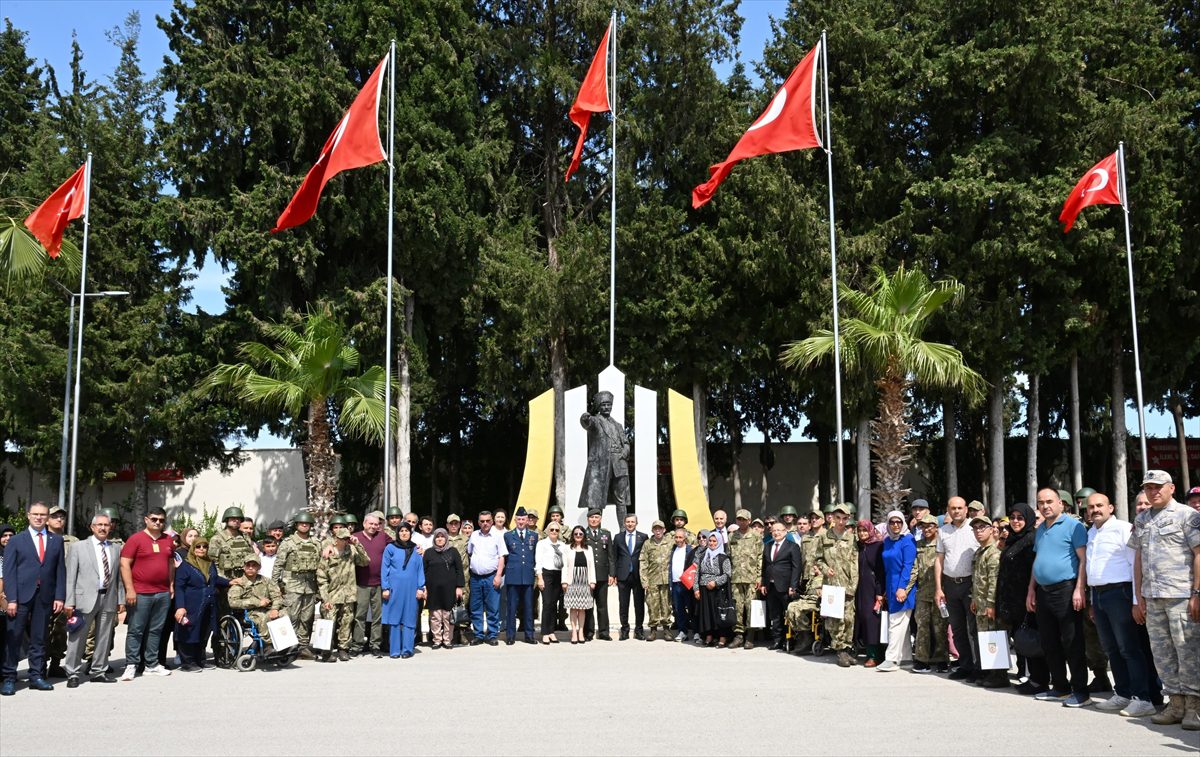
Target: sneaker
x=1052, y=695
x=887, y=666
x=1030, y=688
x=920, y=667
x=157, y=670
x=1076, y=700
x=1115, y=703
x=129, y=674
x=1138, y=708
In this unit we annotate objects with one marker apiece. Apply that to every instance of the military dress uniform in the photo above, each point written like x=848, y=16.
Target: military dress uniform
x=746, y=551
x=338, y=588
x=296, y=573
x=248, y=595
x=596, y=622
x=839, y=555
x=654, y=566
x=931, y=648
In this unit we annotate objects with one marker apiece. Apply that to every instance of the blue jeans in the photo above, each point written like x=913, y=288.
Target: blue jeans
x=519, y=595
x=681, y=605
x=484, y=597
x=1126, y=643
x=149, y=616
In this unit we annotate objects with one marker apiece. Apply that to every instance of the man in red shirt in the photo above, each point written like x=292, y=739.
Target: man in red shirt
x=148, y=572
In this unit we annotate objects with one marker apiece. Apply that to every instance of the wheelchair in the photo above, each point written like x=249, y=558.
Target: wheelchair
x=811, y=635
x=240, y=645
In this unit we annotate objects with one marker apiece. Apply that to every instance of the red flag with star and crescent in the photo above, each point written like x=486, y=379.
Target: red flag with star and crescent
x=1099, y=186
x=592, y=98
x=354, y=143
x=63, y=205
x=788, y=123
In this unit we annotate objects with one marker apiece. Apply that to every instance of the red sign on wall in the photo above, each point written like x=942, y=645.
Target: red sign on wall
x=1164, y=454
x=160, y=476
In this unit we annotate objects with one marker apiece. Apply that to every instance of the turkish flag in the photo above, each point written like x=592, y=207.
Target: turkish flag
x=353, y=144
x=51, y=217
x=788, y=123
x=592, y=98
x=1099, y=186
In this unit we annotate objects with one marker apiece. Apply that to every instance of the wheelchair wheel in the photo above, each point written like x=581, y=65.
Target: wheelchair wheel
x=247, y=662
x=818, y=648
x=228, y=643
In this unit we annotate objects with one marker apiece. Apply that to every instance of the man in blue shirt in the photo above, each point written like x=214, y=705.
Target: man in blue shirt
x=1056, y=594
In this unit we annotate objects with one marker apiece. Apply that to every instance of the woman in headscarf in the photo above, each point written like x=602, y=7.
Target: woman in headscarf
x=713, y=574
x=196, y=584
x=1012, y=584
x=899, y=555
x=868, y=598
x=402, y=578
x=444, y=584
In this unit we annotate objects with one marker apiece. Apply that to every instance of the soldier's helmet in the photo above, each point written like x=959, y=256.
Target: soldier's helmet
x=787, y=510
x=337, y=520
x=679, y=514
x=232, y=512
x=394, y=512
x=304, y=517
x=1085, y=492
x=554, y=509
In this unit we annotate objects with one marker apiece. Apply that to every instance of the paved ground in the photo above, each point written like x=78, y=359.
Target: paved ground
x=620, y=698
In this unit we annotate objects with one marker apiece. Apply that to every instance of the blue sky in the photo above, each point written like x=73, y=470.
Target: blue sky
x=49, y=25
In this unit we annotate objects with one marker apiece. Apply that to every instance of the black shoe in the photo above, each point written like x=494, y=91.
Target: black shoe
x=1029, y=688
x=8, y=688
x=1100, y=683
x=942, y=668
x=493, y=643
x=602, y=637
x=510, y=642
x=102, y=678
x=40, y=684
x=624, y=634
x=962, y=674
x=639, y=634
x=920, y=667
x=530, y=640
x=56, y=671
x=777, y=646
x=474, y=642
x=73, y=682
x=995, y=681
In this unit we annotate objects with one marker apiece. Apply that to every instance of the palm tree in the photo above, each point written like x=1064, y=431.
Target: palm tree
x=884, y=342
x=22, y=257
x=308, y=372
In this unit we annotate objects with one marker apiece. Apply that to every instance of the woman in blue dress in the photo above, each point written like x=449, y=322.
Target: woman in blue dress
x=402, y=578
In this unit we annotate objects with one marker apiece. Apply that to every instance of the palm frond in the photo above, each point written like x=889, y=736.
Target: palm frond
x=22, y=257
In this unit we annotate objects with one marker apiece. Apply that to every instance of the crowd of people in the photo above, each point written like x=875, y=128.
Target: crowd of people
x=1077, y=592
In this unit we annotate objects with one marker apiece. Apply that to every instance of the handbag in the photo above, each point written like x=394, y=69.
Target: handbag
x=459, y=615
x=1026, y=640
x=726, y=610
x=688, y=577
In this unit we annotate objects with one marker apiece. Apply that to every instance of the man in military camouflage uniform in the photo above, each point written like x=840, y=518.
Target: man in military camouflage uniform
x=931, y=650
x=1166, y=584
x=296, y=573
x=746, y=549
x=394, y=516
x=228, y=549
x=788, y=515
x=985, y=566
x=679, y=520
x=258, y=594
x=655, y=569
x=458, y=540
x=803, y=614
x=337, y=586
x=837, y=559
x=56, y=635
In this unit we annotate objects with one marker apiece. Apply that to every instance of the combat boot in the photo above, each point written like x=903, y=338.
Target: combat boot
x=306, y=653
x=737, y=641
x=844, y=660
x=804, y=643
x=1173, y=713
x=343, y=656
x=749, y=643
x=1191, y=715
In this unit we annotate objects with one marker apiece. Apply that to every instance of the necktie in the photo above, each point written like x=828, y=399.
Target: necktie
x=630, y=540
x=41, y=547
x=104, y=560
x=775, y=552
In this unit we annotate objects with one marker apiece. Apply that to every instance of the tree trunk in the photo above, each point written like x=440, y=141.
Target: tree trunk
x=1119, y=434
x=767, y=454
x=735, y=472
x=321, y=462
x=824, y=452
x=1033, y=423
x=402, y=483
x=141, y=489
x=700, y=418
x=889, y=442
x=995, y=496
x=950, y=439
x=1181, y=438
x=1076, y=438
x=862, y=464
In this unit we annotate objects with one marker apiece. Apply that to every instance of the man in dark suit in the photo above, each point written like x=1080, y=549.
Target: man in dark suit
x=600, y=540
x=35, y=581
x=626, y=554
x=682, y=600
x=518, y=572
x=782, y=565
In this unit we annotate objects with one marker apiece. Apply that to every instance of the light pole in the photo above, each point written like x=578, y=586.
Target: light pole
x=62, y=467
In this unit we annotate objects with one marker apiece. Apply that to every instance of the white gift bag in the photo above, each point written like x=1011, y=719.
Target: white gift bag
x=993, y=650
x=833, y=602
x=884, y=634
x=283, y=635
x=322, y=634
x=758, y=613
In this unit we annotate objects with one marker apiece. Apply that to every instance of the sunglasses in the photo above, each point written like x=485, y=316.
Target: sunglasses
x=157, y=520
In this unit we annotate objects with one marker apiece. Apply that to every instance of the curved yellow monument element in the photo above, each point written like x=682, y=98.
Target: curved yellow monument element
x=685, y=466
x=539, y=455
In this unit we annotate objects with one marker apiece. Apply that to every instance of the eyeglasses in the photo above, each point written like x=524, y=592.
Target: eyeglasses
x=59, y=516
x=156, y=520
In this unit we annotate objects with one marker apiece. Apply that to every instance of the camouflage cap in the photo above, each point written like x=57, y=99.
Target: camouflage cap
x=657, y=524
x=531, y=513
x=251, y=559
x=743, y=514
x=759, y=521
x=376, y=514
x=815, y=514
x=842, y=508
x=57, y=509
x=974, y=505
x=453, y=518
x=981, y=520
x=927, y=520
x=1159, y=477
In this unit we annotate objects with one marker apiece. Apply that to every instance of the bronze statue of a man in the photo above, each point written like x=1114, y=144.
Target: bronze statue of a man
x=607, y=475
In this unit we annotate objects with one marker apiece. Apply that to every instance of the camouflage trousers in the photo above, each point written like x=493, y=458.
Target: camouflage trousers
x=658, y=606
x=299, y=608
x=931, y=634
x=342, y=616
x=743, y=594
x=259, y=618
x=1174, y=640
x=984, y=623
x=1097, y=661
x=841, y=631
x=56, y=639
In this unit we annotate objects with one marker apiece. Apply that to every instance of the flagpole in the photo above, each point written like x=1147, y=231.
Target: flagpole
x=837, y=337
x=87, y=212
x=66, y=423
x=387, y=360
x=612, y=233
x=1137, y=361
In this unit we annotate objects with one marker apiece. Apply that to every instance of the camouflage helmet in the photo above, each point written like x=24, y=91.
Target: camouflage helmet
x=788, y=510
x=233, y=512
x=394, y=512
x=350, y=519
x=554, y=509
x=1085, y=492
x=679, y=514
x=337, y=520
x=304, y=516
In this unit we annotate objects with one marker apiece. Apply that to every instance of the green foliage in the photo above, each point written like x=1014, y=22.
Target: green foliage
x=207, y=525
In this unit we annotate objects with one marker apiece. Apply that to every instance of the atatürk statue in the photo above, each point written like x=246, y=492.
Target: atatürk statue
x=607, y=476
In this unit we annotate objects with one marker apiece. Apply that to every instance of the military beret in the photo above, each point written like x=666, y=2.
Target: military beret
x=657, y=524
x=981, y=520
x=595, y=511
x=743, y=515
x=1159, y=477
x=974, y=505
x=452, y=518
x=842, y=508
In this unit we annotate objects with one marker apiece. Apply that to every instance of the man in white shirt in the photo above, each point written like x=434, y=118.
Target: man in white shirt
x=486, y=553
x=1109, y=567
x=681, y=596
x=95, y=594
x=952, y=573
